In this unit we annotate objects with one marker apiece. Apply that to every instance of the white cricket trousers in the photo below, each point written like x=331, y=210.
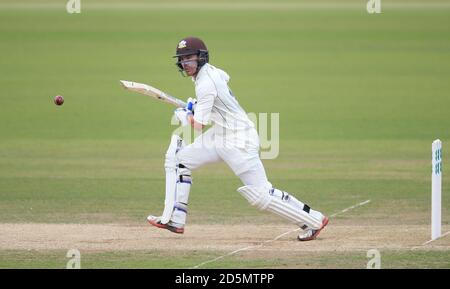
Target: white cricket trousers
x=239, y=151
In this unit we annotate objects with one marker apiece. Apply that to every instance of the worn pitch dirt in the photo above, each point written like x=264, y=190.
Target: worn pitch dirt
x=222, y=238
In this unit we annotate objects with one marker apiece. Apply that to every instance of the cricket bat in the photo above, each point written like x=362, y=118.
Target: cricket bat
x=153, y=92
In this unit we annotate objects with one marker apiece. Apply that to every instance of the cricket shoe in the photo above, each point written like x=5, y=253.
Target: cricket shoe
x=171, y=226
x=311, y=234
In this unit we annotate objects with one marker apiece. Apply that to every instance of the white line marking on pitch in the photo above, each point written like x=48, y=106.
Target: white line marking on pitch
x=350, y=208
x=428, y=242
x=276, y=238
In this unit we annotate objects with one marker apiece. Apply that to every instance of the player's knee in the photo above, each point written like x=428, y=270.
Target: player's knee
x=183, y=170
x=183, y=160
x=258, y=196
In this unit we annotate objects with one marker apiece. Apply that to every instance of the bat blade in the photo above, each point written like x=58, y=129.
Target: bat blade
x=148, y=90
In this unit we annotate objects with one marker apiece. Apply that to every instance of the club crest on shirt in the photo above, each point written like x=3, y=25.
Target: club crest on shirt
x=182, y=44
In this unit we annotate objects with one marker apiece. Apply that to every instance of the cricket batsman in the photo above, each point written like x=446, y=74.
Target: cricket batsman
x=232, y=138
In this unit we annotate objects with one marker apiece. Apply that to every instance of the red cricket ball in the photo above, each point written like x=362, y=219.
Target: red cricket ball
x=59, y=100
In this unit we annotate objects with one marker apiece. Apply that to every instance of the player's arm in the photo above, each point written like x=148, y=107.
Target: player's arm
x=196, y=125
x=191, y=104
x=198, y=115
x=205, y=101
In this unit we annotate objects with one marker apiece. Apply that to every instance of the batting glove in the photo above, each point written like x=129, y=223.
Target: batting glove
x=191, y=103
x=182, y=114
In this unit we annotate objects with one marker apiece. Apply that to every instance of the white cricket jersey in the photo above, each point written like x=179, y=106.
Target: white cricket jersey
x=216, y=103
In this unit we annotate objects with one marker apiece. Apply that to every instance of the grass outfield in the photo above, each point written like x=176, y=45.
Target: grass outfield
x=153, y=259
x=361, y=97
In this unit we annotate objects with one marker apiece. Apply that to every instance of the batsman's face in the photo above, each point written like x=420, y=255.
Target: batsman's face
x=189, y=63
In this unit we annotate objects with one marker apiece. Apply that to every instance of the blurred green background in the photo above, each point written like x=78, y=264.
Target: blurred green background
x=332, y=73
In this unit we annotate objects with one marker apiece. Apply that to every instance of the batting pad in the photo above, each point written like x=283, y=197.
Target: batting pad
x=282, y=204
x=171, y=177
